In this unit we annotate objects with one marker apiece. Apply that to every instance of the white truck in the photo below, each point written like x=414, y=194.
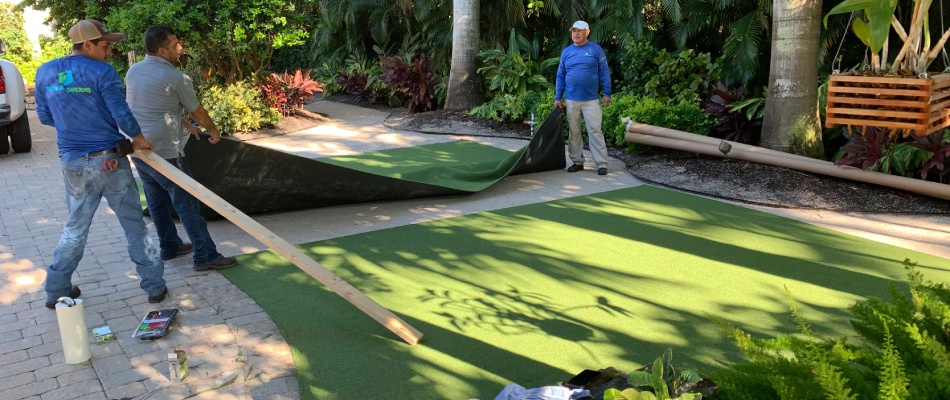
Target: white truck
x=14, y=123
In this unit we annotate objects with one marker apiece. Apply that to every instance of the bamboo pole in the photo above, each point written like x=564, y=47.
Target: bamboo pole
x=282, y=247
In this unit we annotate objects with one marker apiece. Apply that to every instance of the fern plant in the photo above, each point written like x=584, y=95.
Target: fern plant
x=904, y=355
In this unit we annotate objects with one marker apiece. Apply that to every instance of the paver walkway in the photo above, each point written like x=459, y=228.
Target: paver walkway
x=217, y=321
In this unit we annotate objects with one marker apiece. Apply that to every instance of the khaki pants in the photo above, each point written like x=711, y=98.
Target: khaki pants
x=593, y=115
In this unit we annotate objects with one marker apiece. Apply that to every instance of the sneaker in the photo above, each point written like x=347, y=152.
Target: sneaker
x=221, y=263
x=184, y=249
x=158, y=297
x=74, y=292
x=601, y=171
x=575, y=168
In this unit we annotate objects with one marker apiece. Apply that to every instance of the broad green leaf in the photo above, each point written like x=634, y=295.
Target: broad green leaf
x=880, y=15
x=611, y=394
x=862, y=31
x=848, y=6
x=640, y=379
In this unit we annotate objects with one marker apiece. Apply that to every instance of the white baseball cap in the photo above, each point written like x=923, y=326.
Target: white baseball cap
x=580, y=25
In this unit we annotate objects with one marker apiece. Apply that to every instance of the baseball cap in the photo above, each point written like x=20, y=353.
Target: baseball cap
x=580, y=25
x=89, y=29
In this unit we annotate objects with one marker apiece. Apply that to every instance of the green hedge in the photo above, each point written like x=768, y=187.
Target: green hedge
x=683, y=116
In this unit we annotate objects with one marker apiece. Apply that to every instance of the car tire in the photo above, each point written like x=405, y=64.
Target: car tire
x=4, y=141
x=20, y=138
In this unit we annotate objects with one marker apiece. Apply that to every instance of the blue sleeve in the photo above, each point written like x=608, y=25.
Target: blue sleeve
x=42, y=109
x=604, y=72
x=559, y=80
x=113, y=93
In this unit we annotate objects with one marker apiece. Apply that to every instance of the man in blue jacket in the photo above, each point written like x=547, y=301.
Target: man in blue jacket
x=83, y=98
x=582, y=67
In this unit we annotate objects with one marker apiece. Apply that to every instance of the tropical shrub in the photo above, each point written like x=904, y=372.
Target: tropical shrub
x=514, y=71
x=238, y=108
x=738, y=118
x=413, y=82
x=637, y=67
x=937, y=146
x=904, y=355
x=233, y=40
x=658, y=380
x=683, y=76
x=362, y=79
x=683, y=116
x=289, y=92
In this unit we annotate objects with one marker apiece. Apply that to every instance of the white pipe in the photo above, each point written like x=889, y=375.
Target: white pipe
x=653, y=130
x=933, y=189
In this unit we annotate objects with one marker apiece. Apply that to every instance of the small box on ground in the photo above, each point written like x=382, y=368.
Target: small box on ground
x=103, y=334
x=177, y=365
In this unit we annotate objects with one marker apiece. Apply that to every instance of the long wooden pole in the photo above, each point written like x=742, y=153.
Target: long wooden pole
x=282, y=247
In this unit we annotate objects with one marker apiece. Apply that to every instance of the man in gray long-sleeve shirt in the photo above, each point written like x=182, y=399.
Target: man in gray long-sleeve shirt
x=158, y=94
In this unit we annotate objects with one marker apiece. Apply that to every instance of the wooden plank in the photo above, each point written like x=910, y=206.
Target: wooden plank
x=940, y=78
x=938, y=86
x=942, y=105
x=940, y=96
x=939, y=126
x=285, y=249
x=873, y=91
x=879, y=79
x=864, y=122
x=879, y=114
x=832, y=99
x=938, y=117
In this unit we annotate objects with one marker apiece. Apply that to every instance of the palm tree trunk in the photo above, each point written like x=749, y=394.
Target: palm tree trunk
x=791, y=111
x=465, y=89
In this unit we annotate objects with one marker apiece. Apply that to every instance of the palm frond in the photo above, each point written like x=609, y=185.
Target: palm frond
x=742, y=47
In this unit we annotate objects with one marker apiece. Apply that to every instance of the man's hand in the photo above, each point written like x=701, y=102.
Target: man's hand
x=193, y=130
x=606, y=102
x=139, y=143
x=200, y=115
x=558, y=104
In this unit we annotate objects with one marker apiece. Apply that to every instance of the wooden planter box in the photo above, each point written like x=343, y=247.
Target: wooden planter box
x=908, y=104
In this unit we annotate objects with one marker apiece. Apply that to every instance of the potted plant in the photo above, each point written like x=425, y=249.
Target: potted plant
x=903, y=97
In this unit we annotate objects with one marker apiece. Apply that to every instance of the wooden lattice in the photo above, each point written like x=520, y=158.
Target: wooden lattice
x=901, y=104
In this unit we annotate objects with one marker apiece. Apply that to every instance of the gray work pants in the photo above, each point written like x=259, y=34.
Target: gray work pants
x=593, y=115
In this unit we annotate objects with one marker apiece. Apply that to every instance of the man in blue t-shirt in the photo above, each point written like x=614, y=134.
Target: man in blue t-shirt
x=83, y=98
x=582, y=67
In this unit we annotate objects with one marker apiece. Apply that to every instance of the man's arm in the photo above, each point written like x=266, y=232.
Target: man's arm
x=113, y=93
x=559, y=82
x=200, y=115
x=604, y=72
x=189, y=100
x=42, y=109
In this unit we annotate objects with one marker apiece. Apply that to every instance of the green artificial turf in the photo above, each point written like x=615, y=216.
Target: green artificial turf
x=462, y=164
x=537, y=293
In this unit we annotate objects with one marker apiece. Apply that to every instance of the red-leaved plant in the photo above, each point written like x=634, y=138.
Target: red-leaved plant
x=866, y=147
x=940, y=152
x=289, y=92
x=415, y=82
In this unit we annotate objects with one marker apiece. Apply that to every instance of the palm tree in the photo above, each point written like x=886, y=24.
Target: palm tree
x=791, y=109
x=465, y=89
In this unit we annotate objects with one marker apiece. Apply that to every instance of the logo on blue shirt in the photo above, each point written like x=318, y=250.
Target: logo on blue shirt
x=66, y=78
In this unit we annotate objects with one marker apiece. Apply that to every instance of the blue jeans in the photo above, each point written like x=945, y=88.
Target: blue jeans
x=87, y=181
x=163, y=195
